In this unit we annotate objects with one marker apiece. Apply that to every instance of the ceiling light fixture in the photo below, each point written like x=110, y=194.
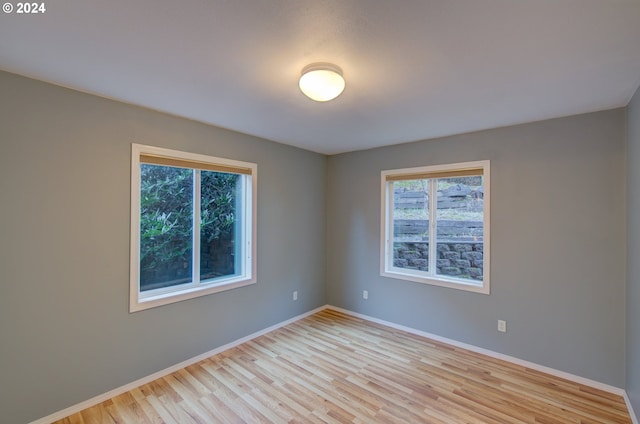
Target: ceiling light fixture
x=321, y=81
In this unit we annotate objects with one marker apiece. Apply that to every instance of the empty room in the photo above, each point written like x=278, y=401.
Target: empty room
x=320, y=211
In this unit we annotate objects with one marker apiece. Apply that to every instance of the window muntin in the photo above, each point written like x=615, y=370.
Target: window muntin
x=443, y=242
x=171, y=258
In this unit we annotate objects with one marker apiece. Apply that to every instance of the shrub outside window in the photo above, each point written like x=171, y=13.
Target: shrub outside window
x=172, y=258
x=435, y=225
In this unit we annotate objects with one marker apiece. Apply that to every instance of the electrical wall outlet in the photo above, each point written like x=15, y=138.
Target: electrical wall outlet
x=295, y=295
x=502, y=326
x=365, y=294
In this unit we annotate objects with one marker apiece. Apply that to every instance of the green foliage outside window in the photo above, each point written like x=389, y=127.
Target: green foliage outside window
x=166, y=220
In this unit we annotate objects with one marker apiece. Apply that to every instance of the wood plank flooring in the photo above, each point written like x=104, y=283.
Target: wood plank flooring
x=334, y=368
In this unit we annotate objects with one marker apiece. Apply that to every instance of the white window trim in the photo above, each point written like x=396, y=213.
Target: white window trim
x=139, y=301
x=386, y=228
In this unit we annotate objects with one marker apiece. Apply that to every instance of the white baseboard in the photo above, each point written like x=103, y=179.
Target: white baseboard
x=144, y=380
x=120, y=390
x=634, y=418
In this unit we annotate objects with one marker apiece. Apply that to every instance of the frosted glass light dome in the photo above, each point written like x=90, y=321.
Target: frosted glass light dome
x=322, y=81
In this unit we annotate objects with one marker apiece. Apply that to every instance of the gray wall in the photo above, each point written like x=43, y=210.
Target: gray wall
x=633, y=253
x=557, y=253
x=65, y=331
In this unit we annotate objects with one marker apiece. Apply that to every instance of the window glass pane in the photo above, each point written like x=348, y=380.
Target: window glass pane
x=460, y=222
x=166, y=222
x=220, y=224
x=411, y=224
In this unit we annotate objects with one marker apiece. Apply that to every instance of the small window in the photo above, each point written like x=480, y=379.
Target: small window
x=435, y=225
x=192, y=225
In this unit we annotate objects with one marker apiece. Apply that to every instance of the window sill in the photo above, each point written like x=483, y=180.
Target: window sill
x=481, y=287
x=140, y=304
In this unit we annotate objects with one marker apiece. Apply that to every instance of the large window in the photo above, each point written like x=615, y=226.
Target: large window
x=435, y=225
x=192, y=225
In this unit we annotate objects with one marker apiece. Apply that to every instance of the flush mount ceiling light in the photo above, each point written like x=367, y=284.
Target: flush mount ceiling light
x=321, y=81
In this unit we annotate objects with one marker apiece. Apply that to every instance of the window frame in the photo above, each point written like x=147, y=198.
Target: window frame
x=138, y=300
x=387, y=269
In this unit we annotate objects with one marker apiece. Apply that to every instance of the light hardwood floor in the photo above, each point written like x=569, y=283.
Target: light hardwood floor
x=334, y=368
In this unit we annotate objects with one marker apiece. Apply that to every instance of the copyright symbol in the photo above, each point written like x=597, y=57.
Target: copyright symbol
x=7, y=8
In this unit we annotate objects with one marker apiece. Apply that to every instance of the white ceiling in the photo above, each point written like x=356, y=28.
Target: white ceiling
x=414, y=69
